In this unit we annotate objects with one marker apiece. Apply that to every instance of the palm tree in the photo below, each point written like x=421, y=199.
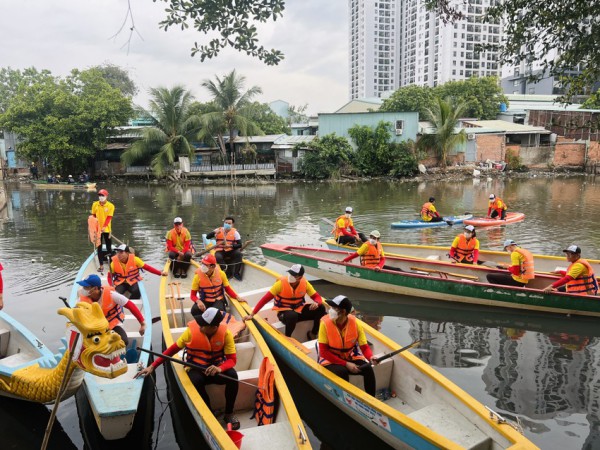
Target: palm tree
x=230, y=113
x=175, y=127
x=444, y=115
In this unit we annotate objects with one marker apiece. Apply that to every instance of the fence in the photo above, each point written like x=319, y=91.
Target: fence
x=208, y=167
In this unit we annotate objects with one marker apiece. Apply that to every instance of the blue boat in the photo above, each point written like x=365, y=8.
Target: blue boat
x=448, y=220
x=114, y=402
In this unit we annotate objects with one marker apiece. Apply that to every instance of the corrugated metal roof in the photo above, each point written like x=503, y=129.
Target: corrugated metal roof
x=507, y=127
x=258, y=139
x=291, y=141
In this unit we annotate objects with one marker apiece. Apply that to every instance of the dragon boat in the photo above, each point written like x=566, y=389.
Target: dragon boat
x=285, y=431
x=415, y=406
x=114, y=403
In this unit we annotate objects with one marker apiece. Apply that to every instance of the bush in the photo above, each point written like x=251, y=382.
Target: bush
x=327, y=156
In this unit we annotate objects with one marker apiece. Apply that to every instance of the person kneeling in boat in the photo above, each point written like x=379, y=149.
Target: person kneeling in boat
x=290, y=305
x=125, y=269
x=579, y=277
x=343, y=347
x=521, y=268
x=209, y=344
x=496, y=208
x=371, y=253
x=112, y=304
x=212, y=284
x=465, y=247
x=429, y=213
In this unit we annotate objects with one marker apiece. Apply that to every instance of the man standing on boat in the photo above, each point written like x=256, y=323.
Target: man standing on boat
x=343, y=347
x=521, y=268
x=465, y=247
x=496, y=208
x=289, y=292
x=209, y=344
x=125, y=270
x=211, y=283
x=344, y=230
x=103, y=210
x=579, y=277
x=371, y=253
x=112, y=304
x=429, y=213
x=229, y=244
x=179, y=246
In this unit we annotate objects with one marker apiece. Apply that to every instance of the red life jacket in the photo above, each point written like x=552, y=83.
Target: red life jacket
x=345, y=348
x=204, y=351
x=228, y=237
x=464, y=250
x=212, y=287
x=290, y=298
x=373, y=255
x=131, y=273
x=583, y=285
x=114, y=313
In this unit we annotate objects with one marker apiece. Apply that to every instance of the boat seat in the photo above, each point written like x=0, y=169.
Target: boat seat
x=244, y=354
x=17, y=359
x=446, y=421
x=4, y=339
x=176, y=332
x=245, y=375
x=246, y=393
x=383, y=375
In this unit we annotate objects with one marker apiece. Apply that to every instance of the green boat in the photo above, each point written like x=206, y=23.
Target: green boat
x=434, y=280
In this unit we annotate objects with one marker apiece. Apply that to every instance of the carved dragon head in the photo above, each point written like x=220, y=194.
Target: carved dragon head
x=99, y=348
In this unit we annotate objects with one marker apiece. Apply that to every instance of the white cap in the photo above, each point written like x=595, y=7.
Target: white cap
x=492, y=196
x=375, y=233
x=122, y=248
x=340, y=301
x=296, y=270
x=470, y=228
x=177, y=220
x=509, y=242
x=348, y=209
x=572, y=249
x=211, y=317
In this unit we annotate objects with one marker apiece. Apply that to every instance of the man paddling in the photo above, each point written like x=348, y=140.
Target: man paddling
x=209, y=344
x=579, y=278
x=429, y=213
x=103, y=210
x=344, y=230
x=125, y=270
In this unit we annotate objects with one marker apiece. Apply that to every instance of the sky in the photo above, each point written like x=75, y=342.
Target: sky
x=62, y=35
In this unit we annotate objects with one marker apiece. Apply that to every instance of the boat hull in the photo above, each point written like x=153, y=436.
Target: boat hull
x=422, y=224
x=64, y=186
x=511, y=217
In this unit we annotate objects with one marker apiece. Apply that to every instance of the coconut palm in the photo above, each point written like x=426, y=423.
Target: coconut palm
x=230, y=113
x=444, y=115
x=175, y=127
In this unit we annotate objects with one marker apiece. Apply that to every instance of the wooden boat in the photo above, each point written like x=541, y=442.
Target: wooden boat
x=64, y=186
x=417, y=406
x=434, y=280
x=286, y=432
x=511, y=217
x=490, y=258
x=19, y=348
x=114, y=402
x=447, y=220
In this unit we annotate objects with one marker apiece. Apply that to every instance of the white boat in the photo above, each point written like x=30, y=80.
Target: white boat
x=286, y=431
x=114, y=402
x=417, y=406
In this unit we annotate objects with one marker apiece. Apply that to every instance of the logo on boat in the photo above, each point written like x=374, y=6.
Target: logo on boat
x=366, y=411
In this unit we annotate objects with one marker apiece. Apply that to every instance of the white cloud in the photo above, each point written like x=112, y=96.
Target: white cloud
x=68, y=34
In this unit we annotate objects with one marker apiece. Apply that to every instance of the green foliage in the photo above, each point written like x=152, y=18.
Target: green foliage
x=65, y=121
x=444, y=115
x=297, y=114
x=235, y=23
x=593, y=102
x=405, y=159
x=265, y=119
x=327, y=156
x=171, y=137
x=410, y=98
x=117, y=78
x=514, y=162
x=12, y=80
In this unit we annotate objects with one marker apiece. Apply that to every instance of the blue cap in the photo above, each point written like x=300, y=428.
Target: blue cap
x=91, y=281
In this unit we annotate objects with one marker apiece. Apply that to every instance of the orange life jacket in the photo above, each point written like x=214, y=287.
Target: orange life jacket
x=527, y=269
x=373, y=255
x=337, y=231
x=233, y=325
x=290, y=298
x=131, y=273
x=584, y=285
x=204, y=351
x=212, y=287
x=228, y=237
x=178, y=240
x=346, y=348
x=425, y=212
x=114, y=313
x=264, y=404
x=464, y=250
x=94, y=230
x=498, y=205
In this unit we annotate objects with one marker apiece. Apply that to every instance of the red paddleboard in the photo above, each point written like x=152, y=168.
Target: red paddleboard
x=511, y=217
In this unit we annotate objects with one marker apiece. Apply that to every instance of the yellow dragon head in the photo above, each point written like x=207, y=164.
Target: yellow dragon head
x=99, y=348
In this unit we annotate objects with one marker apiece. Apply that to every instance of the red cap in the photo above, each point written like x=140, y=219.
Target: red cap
x=209, y=260
x=102, y=192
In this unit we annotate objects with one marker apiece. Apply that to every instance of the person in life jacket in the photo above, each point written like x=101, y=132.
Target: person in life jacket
x=371, y=253
x=103, y=210
x=209, y=344
x=179, y=246
x=289, y=292
x=211, y=283
x=125, y=272
x=521, y=268
x=112, y=304
x=429, y=213
x=343, y=346
x=579, y=278
x=496, y=208
x=228, y=249
x=344, y=230
x=465, y=247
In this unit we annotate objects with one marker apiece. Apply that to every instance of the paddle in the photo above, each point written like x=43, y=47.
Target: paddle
x=458, y=275
x=400, y=350
x=206, y=250
x=196, y=366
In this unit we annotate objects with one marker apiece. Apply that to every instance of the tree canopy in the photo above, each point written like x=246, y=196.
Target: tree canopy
x=118, y=78
x=11, y=80
x=266, y=119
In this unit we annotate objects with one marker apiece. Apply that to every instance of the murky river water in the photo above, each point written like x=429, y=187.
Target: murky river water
x=542, y=368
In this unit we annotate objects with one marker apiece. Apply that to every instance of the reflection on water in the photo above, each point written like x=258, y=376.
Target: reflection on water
x=542, y=368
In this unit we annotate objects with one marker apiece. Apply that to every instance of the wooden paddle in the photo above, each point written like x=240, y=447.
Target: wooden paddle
x=206, y=250
x=406, y=347
x=457, y=275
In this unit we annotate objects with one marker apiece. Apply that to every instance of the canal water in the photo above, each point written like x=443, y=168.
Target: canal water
x=540, y=368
